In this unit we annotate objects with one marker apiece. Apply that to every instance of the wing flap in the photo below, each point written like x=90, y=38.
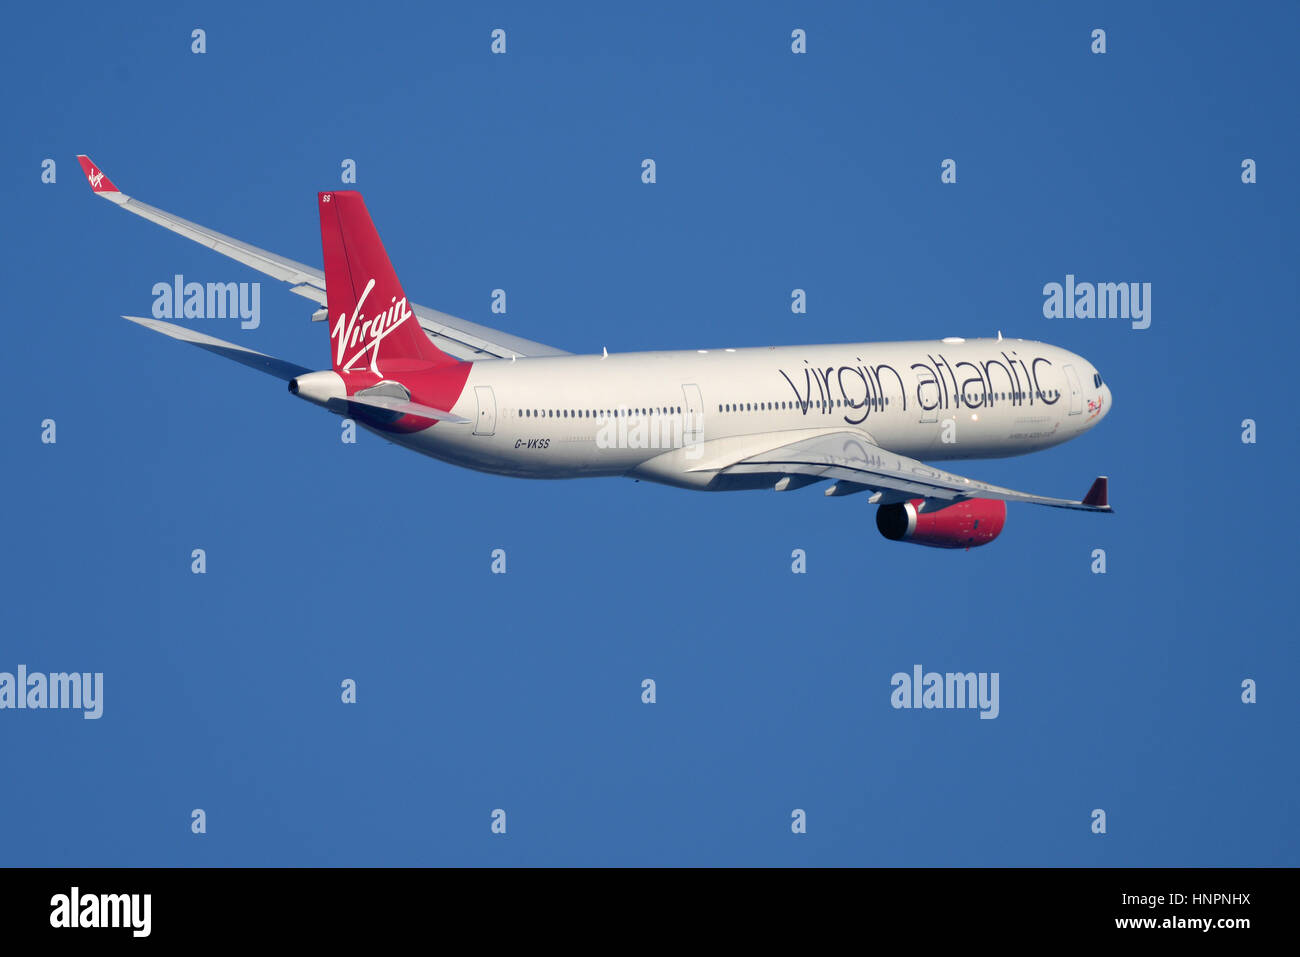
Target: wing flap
x=847, y=457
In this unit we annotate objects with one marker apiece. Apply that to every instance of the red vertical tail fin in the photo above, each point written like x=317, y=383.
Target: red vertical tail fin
x=371, y=321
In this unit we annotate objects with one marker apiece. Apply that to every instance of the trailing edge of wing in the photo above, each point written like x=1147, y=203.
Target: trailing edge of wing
x=249, y=357
x=458, y=337
x=846, y=456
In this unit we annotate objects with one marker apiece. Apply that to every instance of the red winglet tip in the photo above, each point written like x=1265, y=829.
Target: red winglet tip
x=98, y=181
x=1099, y=494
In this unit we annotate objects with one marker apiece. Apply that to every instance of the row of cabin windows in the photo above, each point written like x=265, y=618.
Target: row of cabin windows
x=878, y=402
x=1006, y=397
x=594, y=413
x=873, y=403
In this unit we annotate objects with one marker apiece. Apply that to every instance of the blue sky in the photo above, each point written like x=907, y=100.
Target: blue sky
x=775, y=171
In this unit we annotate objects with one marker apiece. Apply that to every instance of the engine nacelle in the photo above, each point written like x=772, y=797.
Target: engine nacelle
x=318, y=387
x=964, y=524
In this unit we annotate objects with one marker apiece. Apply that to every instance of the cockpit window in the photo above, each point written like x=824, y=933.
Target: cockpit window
x=1096, y=380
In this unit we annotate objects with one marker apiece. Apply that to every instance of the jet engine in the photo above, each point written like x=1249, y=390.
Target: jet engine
x=964, y=524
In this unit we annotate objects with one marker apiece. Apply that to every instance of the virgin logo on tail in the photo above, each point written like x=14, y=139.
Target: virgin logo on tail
x=96, y=177
x=368, y=333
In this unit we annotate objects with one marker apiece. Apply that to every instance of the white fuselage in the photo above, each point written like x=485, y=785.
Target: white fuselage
x=682, y=417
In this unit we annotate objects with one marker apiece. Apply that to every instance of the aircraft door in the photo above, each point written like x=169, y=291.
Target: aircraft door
x=486, y=423
x=694, y=427
x=1076, y=394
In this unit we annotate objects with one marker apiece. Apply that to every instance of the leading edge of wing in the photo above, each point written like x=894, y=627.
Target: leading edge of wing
x=459, y=337
x=268, y=263
x=846, y=456
x=279, y=368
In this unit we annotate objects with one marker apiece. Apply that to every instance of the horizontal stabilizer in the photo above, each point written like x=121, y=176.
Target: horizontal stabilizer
x=392, y=404
x=249, y=357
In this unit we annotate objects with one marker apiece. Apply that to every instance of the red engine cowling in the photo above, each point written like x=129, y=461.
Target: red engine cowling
x=965, y=524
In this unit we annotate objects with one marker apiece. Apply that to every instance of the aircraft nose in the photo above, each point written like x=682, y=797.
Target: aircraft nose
x=1105, y=401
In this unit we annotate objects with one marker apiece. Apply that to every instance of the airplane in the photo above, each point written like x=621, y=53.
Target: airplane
x=856, y=415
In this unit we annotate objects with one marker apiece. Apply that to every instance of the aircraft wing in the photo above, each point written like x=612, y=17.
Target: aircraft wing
x=457, y=337
x=847, y=457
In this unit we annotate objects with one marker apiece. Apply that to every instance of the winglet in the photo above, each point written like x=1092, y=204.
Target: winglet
x=1099, y=495
x=98, y=181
